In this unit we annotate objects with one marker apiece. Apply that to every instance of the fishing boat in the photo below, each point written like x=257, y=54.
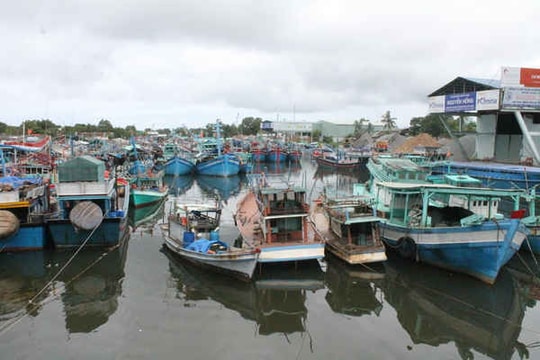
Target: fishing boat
x=212, y=161
x=192, y=233
x=532, y=221
x=294, y=153
x=178, y=160
x=258, y=152
x=93, y=208
x=495, y=175
x=455, y=228
x=29, y=144
x=349, y=225
x=147, y=189
x=146, y=182
x=25, y=203
x=273, y=216
x=339, y=161
x=276, y=153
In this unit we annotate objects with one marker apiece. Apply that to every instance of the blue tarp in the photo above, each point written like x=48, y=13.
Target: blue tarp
x=203, y=245
x=17, y=182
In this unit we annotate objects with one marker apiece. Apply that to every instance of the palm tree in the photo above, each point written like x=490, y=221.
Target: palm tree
x=388, y=121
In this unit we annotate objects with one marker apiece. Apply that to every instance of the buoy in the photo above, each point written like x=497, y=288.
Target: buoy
x=9, y=224
x=86, y=215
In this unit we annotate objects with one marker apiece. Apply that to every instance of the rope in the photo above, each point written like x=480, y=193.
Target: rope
x=8, y=326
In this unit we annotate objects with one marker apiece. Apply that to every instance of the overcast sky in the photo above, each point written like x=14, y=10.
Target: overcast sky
x=168, y=63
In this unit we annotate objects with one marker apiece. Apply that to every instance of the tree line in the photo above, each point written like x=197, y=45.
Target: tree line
x=434, y=124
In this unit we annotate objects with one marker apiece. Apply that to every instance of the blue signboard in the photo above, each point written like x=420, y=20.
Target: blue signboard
x=460, y=102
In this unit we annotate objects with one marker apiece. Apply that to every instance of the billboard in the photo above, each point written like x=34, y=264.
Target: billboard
x=470, y=101
x=517, y=98
x=460, y=102
x=520, y=77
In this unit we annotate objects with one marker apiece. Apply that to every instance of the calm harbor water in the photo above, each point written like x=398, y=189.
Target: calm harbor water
x=141, y=302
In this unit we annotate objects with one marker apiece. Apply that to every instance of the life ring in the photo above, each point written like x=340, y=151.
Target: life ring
x=407, y=248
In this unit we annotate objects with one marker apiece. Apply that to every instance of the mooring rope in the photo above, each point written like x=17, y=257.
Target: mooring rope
x=31, y=302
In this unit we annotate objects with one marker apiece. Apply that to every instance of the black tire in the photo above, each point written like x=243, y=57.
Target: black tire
x=407, y=248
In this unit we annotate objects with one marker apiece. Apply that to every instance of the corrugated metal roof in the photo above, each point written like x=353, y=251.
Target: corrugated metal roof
x=462, y=85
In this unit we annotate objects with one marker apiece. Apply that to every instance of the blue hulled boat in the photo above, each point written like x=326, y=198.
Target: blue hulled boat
x=178, y=161
x=24, y=206
x=276, y=154
x=494, y=175
x=212, y=161
x=93, y=209
x=458, y=229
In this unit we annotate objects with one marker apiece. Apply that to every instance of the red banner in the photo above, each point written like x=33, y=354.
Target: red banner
x=530, y=77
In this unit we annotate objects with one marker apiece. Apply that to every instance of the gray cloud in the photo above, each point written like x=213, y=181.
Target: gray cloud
x=177, y=61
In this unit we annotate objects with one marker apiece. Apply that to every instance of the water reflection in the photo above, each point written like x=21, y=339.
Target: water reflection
x=88, y=287
x=145, y=216
x=277, y=167
x=224, y=186
x=22, y=276
x=92, y=285
x=437, y=307
x=275, y=301
x=178, y=185
x=354, y=290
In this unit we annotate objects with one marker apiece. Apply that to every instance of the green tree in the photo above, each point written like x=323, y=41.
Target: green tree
x=104, y=125
x=250, y=126
x=431, y=124
x=359, y=126
x=3, y=127
x=316, y=135
x=388, y=121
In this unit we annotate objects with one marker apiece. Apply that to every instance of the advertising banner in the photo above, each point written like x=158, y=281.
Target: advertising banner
x=518, y=98
x=487, y=100
x=460, y=102
x=436, y=104
x=520, y=77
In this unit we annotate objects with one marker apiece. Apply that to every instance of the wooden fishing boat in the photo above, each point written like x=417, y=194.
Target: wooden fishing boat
x=93, y=208
x=339, y=162
x=192, y=233
x=273, y=216
x=349, y=225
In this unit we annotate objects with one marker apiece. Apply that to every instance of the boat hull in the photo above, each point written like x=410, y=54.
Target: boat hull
x=240, y=264
x=111, y=232
x=355, y=257
x=29, y=237
x=276, y=156
x=223, y=165
x=478, y=250
x=336, y=164
x=494, y=175
x=287, y=253
x=179, y=166
x=142, y=198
